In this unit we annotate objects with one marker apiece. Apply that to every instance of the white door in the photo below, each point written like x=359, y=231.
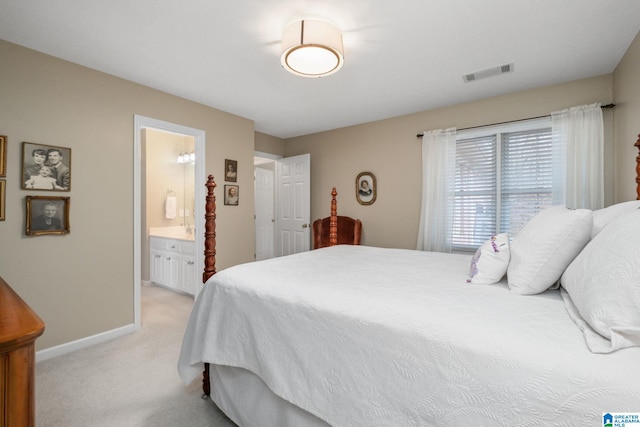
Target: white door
x=264, y=220
x=157, y=267
x=188, y=275
x=293, y=205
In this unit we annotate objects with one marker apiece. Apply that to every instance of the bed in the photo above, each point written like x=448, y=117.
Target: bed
x=364, y=336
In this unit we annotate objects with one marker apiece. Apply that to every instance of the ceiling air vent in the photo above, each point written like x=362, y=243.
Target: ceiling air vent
x=489, y=72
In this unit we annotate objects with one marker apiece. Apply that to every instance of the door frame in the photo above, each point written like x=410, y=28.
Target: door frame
x=271, y=158
x=139, y=124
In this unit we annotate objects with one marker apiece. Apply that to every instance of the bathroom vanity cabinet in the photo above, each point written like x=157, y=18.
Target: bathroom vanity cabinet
x=172, y=264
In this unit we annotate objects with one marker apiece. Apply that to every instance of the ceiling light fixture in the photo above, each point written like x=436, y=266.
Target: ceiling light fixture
x=312, y=48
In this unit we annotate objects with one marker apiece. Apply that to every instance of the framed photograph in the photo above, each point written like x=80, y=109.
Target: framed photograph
x=3, y=189
x=3, y=155
x=46, y=167
x=47, y=215
x=366, y=191
x=231, y=195
x=230, y=170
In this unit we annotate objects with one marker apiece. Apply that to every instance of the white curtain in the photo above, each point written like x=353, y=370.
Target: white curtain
x=578, y=134
x=438, y=180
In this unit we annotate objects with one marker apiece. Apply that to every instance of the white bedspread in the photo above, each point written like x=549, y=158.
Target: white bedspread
x=363, y=336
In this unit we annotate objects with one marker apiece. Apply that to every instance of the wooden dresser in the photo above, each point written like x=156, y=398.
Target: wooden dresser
x=19, y=328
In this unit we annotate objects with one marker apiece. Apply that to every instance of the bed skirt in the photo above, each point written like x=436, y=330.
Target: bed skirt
x=248, y=402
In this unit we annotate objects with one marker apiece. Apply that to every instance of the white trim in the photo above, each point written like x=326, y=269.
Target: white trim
x=140, y=123
x=61, y=349
x=266, y=155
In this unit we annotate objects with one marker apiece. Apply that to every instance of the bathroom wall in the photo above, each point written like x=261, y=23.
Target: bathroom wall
x=163, y=175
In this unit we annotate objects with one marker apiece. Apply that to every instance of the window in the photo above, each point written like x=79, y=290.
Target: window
x=503, y=178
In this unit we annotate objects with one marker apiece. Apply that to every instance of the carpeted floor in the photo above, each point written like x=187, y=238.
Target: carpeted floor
x=129, y=381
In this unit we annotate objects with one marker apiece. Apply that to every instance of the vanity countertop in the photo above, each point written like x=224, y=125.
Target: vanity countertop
x=179, y=233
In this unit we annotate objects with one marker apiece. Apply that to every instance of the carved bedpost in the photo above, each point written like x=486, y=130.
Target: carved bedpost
x=209, y=232
x=209, y=259
x=637, y=144
x=333, y=221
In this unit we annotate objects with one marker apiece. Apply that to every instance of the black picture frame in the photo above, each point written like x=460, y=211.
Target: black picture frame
x=47, y=215
x=57, y=159
x=366, y=188
x=231, y=195
x=230, y=170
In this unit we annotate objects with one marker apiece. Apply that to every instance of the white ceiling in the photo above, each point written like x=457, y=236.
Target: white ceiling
x=401, y=56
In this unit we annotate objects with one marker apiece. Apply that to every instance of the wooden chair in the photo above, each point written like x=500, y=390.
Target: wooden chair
x=336, y=230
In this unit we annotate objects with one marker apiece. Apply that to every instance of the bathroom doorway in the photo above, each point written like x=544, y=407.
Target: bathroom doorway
x=143, y=127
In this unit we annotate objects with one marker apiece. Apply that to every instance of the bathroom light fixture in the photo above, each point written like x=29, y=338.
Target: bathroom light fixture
x=312, y=48
x=187, y=157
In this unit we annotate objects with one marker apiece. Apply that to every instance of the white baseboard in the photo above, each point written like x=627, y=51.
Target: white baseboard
x=61, y=349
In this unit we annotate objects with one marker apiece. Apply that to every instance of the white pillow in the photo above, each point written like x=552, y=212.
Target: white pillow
x=602, y=217
x=603, y=282
x=545, y=246
x=490, y=262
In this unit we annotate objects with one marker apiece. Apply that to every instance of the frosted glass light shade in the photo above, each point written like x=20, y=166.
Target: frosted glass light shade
x=312, y=49
x=187, y=157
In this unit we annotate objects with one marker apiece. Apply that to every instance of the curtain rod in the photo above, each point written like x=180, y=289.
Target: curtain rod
x=420, y=135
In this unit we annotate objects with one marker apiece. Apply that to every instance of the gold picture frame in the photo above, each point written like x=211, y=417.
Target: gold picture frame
x=366, y=188
x=3, y=156
x=47, y=215
x=3, y=189
x=36, y=157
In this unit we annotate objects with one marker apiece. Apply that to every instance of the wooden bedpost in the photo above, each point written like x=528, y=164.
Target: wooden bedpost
x=209, y=259
x=333, y=221
x=209, y=232
x=637, y=144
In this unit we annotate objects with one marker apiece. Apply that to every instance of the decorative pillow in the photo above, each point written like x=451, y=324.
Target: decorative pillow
x=545, y=246
x=602, y=217
x=490, y=262
x=603, y=283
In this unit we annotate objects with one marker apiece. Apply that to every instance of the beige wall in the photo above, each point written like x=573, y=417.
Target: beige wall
x=269, y=144
x=390, y=150
x=626, y=92
x=81, y=284
x=164, y=174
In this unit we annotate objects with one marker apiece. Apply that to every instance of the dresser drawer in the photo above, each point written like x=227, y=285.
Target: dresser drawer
x=172, y=245
x=188, y=248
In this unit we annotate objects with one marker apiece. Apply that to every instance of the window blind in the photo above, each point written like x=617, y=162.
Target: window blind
x=502, y=180
x=526, y=177
x=474, y=218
